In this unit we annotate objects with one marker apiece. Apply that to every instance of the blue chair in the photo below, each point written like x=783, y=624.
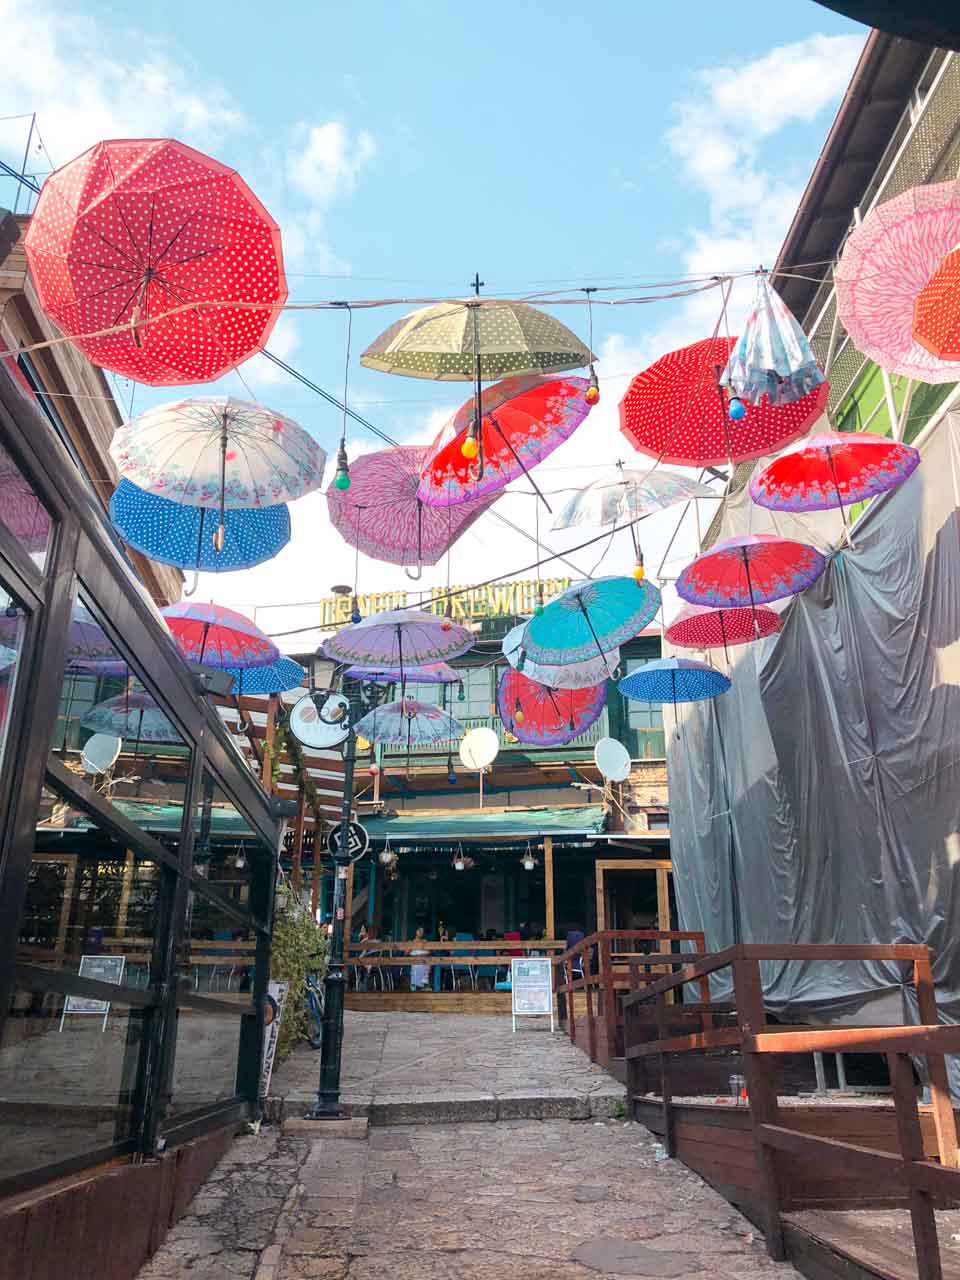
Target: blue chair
x=463, y=968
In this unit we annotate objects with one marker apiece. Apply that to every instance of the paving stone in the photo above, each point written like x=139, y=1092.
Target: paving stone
x=613, y=1257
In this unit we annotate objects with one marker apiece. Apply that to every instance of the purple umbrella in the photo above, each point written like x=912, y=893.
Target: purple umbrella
x=434, y=673
x=399, y=638
x=21, y=510
x=382, y=516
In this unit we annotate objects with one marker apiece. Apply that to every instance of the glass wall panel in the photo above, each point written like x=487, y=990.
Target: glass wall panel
x=205, y=1067
x=22, y=512
x=67, y=1077
x=13, y=625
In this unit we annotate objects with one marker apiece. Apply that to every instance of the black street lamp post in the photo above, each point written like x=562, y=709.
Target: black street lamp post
x=327, y=1106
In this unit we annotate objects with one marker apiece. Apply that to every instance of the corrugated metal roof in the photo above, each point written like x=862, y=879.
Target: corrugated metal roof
x=580, y=820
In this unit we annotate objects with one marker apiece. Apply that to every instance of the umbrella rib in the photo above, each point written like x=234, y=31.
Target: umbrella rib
x=516, y=456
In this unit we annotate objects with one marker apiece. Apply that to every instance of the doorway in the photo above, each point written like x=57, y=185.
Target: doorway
x=635, y=893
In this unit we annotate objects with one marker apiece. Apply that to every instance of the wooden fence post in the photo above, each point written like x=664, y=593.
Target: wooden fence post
x=550, y=922
x=911, y=1148
x=571, y=1001
x=944, y=1118
x=609, y=996
x=666, y=1083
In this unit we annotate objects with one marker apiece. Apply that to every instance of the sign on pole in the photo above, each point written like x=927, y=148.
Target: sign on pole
x=531, y=980
x=358, y=842
x=101, y=969
x=273, y=1013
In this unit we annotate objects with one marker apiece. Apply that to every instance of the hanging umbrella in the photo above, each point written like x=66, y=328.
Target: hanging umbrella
x=676, y=412
x=885, y=264
x=275, y=677
x=215, y=451
x=573, y=675
x=524, y=419
x=172, y=533
x=86, y=639
x=409, y=723
x=924, y=21
x=544, y=717
x=936, y=312
x=433, y=673
x=443, y=342
x=772, y=358
x=832, y=470
x=135, y=228
x=588, y=619
x=131, y=715
x=750, y=569
x=623, y=493
x=674, y=680
x=218, y=637
x=382, y=515
x=21, y=511
x=700, y=627
x=398, y=638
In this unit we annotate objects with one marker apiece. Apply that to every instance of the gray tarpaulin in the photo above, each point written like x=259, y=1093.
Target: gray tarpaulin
x=819, y=800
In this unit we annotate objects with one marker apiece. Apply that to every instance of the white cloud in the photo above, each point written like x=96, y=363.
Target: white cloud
x=327, y=165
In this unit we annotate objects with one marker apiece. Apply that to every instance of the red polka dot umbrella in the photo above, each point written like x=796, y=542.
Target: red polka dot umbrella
x=700, y=627
x=135, y=228
x=936, y=312
x=676, y=412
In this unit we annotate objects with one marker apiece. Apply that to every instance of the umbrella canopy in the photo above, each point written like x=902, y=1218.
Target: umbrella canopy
x=772, y=358
x=524, y=419
x=275, y=677
x=21, y=511
x=135, y=228
x=218, y=637
x=186, y=536
x=547, y=717
x=750, y=569
x=131, y=715
x=625, y=493
x=885, y=264
x=574, y=675
x=382, y=515
x=676, y=412
x=87, y=642
x=832, y=470
x=588, y=619
x=409, y=723
x=433, y=673
x=936, y=312
x=700, y=627
x=440, y=342
x=396, y=638
x=215, y=451
x=674, y=680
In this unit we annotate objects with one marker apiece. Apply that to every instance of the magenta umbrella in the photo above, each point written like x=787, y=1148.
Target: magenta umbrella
x=382, y=515
x=21, y=510
x=700, y=627
x=218, y=637
x=749, y=570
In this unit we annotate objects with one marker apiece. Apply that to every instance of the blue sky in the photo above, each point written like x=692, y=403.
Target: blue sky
x=404, y=145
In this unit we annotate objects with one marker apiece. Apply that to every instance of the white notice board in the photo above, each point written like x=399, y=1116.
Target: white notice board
x=531, y=980
x=101, y=969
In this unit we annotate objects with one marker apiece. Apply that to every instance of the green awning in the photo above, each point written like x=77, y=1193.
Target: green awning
x=166, y=818
x=481, y=825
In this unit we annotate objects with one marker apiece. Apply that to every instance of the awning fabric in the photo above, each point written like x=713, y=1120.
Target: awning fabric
x=525, y=824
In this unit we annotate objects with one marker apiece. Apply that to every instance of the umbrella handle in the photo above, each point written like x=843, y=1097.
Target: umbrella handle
x=414, y=577
x=196, y=580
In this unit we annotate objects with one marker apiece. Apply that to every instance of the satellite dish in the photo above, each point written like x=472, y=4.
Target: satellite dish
x=323, y=726
x=100, y=752
x=479, y=748
x=612, y=759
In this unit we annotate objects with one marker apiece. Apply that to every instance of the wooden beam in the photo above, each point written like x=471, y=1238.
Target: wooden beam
x=266, y=771
x=601, y=900
x=296, y=861
x=549, y=915
x=944, y=1117
x=663, y=899
x=922, y=1217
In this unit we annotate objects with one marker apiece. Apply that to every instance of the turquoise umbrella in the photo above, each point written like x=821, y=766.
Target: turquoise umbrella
x=588, y=618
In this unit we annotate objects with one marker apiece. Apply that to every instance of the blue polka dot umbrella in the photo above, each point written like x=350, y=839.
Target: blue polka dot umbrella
x=674, y=680
x=187, y=536
x=276, y=677
x=588, y=619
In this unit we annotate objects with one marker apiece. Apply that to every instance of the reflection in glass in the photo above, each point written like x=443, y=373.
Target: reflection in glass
x=13, y=622
x=67, y=1079
x=22, y=512
x=205, y=1066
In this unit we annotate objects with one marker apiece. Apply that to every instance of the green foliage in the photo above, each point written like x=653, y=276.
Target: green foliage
x=299, y=945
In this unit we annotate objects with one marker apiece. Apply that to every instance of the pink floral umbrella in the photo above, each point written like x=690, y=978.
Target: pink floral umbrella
x=382, y=515
x=885, y=265
x=750, y=569
x=702, y=627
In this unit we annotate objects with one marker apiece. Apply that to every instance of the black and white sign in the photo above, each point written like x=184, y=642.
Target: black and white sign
x=358, y=842
x=273, y=1015
x=101, y=969
x=531, y=982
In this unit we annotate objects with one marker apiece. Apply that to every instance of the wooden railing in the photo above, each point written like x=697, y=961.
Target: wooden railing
x=925, y=1181
x=610, y=965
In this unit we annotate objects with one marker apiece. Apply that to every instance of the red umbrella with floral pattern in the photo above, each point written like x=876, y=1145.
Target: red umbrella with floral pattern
x=542, y=716
x=151, y=235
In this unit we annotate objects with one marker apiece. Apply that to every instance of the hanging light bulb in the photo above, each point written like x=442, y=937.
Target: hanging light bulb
x=461, y=695
x=521, y=660
x=451, y=772
x=240, y=861
x=218, y=539
x=592, y=393
x=471, y=445
x=458, y=863
x=538, y=609
x=518, y=715
x=342, y=479
x=373, y=770
x=639, y=572
x=736, y=410
x=529, y=861
x=355, y=614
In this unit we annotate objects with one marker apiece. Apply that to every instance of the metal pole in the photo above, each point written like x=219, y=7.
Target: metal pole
x=327, y=1106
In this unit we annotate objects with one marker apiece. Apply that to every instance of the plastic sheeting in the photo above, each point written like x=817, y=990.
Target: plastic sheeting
x=819, y=800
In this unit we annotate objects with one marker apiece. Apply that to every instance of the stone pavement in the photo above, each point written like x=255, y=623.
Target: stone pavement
x=410, y=1068
x=519, y=1200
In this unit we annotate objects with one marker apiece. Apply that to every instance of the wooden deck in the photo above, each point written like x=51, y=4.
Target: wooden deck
x=430, y=1001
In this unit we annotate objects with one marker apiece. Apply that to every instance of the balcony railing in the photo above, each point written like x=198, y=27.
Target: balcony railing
x=585, y=742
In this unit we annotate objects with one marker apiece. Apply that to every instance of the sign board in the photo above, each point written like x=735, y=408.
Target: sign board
x=467, y=603
x=358, y=842
x=531, y=980
x=272, y=1015
x=100, y=969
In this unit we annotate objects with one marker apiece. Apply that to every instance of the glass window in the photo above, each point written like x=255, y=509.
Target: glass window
x=644, y=722
x=67, y=1077
x=13, y=624
x=22, y=512
x=205, y=1066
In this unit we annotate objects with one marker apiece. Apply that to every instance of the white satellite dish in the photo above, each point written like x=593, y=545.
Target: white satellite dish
x=612, y=759
x=100, y=752
x=479, y=748
x=321, y=727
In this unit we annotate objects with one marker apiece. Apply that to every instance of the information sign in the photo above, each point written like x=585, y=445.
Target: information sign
x=531, y=980
x=101, y=969
x=358, y=842
x=273, y=1013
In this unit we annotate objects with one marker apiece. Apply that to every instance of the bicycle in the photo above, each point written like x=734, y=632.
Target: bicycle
x=313, y=1007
